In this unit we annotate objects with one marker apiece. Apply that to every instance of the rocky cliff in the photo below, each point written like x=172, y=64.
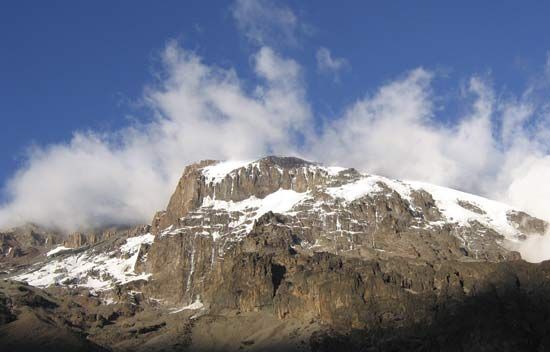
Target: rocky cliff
x=335, y=253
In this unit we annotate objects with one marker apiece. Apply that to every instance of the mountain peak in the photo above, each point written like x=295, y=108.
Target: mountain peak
x=285, y=161
x=294, y=186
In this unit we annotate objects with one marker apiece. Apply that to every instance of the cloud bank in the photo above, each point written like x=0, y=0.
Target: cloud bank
x=199, y=112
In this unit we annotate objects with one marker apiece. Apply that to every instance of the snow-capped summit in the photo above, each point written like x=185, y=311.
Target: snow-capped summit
x=324, y=196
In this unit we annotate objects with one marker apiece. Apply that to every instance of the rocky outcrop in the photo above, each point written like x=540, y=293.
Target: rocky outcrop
x=80, y=239
x=257, y=179
x=26, y=242
x=268, y=272
x=527, y=224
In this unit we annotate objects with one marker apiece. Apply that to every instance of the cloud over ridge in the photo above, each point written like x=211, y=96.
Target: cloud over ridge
x=499, y=148
x=199, y=112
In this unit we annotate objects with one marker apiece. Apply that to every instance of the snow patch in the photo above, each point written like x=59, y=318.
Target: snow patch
x=193, y=306
x=215, y=236
x=89, y=269
x=355, y=190
x=133, y=243
x=280, y=201
x=369, y=184
x=57, y=250
x=333, y=170
x=217, y=172
x=447, y=200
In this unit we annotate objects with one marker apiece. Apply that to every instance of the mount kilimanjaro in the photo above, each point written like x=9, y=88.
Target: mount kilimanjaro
x=283, y=254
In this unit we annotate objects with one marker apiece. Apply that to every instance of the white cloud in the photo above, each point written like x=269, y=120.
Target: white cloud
x=200, y=112
x=396, y=132
x=266, y=23
x=329, y=64
x=528, y=186
x=535, y=249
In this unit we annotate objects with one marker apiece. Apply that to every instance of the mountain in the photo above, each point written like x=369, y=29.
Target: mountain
x=285, y=254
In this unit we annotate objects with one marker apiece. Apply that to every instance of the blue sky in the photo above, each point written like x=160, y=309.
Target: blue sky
x=71, y=66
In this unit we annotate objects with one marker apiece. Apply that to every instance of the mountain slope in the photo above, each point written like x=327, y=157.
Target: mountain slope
x=300, y=242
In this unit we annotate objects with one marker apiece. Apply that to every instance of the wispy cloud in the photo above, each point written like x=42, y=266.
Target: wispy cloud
x=199, y=112
x=264, y=22
x=326, y=63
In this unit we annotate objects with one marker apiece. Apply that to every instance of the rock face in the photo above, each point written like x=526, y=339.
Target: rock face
x=24, y=243
x=356, y=255
x=228, y=219
x=221, y=182
x=79, y=239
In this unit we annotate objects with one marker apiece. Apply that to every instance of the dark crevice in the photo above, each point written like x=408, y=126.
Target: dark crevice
x=277, y=274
